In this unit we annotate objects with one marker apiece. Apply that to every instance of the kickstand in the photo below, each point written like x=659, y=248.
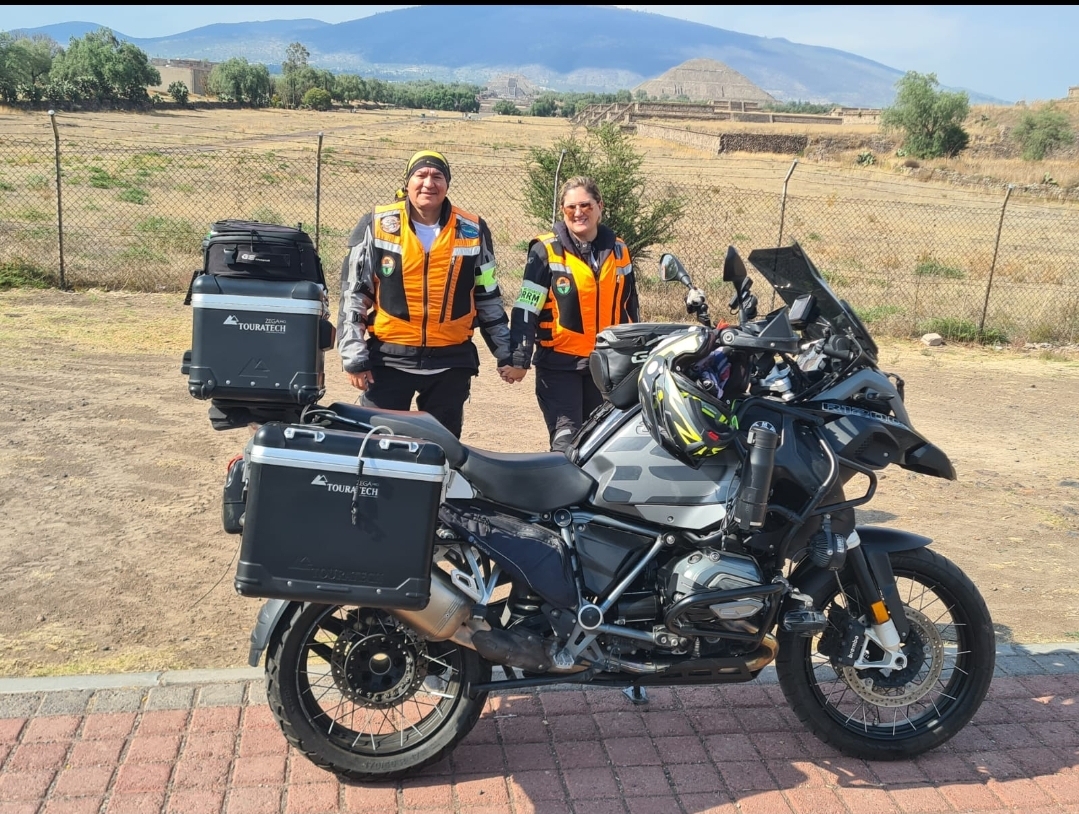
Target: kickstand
x=636, y=694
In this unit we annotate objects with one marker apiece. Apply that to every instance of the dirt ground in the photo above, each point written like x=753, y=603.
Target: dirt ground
x=111, y=547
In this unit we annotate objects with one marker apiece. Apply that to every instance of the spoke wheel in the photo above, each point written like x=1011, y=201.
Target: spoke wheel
x=882, y=714
x=360, y=693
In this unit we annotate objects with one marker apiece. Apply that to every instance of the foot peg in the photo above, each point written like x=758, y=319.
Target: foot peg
x=805, y=622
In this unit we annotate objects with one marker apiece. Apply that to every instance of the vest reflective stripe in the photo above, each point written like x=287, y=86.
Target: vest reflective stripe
x=581, y=303
x=420, y=297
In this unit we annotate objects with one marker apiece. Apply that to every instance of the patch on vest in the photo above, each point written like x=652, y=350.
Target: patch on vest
x=529, y=296
x=390, y=224
x=562, y=285
x=468, y=230
x=387, y=266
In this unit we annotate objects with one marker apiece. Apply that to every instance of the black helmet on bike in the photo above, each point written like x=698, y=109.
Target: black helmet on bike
x=689, y=423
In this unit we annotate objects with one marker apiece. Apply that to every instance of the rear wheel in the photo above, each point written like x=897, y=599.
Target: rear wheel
x=363, y=695
x=894, y=714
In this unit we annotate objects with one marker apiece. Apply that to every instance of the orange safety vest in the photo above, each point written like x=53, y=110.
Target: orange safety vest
x=580, y=302
x=424, y=299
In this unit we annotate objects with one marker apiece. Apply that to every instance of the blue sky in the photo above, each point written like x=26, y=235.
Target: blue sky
x=1011, y=52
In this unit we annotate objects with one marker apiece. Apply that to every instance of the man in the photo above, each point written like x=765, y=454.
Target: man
x=419, y=276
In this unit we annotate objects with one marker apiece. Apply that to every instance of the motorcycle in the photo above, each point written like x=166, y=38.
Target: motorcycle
x=699, y=530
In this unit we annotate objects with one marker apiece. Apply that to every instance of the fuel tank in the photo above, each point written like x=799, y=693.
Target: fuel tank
x=638, y=479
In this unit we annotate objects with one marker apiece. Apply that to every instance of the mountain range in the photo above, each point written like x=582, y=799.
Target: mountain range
x=582, y=48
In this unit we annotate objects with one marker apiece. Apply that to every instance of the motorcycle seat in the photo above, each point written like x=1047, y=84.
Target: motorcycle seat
x=530, y=481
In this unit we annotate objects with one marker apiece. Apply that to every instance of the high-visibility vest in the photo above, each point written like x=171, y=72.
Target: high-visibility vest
x=581, y=303
x=424, y=299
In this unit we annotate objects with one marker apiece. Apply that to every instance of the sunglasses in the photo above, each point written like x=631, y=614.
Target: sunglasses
x=585, y=207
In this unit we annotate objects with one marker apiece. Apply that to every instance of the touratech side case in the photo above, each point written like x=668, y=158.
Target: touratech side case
x=300, y=541
x=258, y=341
x=620, y=351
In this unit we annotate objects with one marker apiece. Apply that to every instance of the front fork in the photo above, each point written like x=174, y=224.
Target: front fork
x=888, y=626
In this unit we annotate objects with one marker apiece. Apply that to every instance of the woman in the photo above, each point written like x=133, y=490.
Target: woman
x=578, y=280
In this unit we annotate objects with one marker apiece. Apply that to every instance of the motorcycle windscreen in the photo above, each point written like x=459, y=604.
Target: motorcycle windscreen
x=793, y=275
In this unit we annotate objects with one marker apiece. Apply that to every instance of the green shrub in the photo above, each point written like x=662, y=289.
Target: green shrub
x=19, y=273
x=317, y=99
x=928, y=267
x=175, y=234
x=504, y=107
x=134, y=195
x=178, y=91
x=961, y=330
x=1038, y=133
x=101, y=179
x=877, y=313
x=143, y=254
x=263, y=214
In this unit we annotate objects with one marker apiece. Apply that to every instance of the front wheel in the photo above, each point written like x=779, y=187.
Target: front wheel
x=363, y=695
x=891, y=715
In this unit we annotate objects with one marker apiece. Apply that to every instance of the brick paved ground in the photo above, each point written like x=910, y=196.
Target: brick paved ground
x=214, y=748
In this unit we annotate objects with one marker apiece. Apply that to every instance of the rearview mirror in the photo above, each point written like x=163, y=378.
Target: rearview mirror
x=734, y=270
x=672, y=270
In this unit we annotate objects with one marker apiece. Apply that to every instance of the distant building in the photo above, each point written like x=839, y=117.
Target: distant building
x=1073, y=92
x=195, y=73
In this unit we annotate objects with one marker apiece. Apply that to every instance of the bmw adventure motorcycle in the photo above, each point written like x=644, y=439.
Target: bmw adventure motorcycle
x=701, y=529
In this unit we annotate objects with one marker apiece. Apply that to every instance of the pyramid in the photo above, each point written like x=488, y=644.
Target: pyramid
x=511, y=86
x=704, y=80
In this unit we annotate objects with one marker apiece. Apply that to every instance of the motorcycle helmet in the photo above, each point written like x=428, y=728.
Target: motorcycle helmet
x=690, y=424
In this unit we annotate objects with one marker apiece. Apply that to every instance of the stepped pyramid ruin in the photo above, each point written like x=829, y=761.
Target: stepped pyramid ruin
x=704, y=80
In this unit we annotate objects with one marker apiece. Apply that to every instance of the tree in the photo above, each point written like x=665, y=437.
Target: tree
x=349, y=88
x=234, y=80
x=106, y=68
x=1038, y=133
x=178, y=91
x=296, y=56
x=607, y=156
x=930, y=119
x=25, y=63
x=544, y=106
x=317, y=99
x=504, y=107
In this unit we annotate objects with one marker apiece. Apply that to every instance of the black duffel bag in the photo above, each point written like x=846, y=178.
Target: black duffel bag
x=620, y=351
x=259, y=251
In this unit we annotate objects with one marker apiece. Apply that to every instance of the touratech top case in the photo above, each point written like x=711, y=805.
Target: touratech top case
x=257, y=340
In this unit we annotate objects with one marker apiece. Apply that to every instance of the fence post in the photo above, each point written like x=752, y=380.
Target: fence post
x=782, y=215
x=783, y=202
x=318, y=189
x=993, y=265
x=59, y=204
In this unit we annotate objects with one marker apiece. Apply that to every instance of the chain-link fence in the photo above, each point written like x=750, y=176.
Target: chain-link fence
x=134, y=218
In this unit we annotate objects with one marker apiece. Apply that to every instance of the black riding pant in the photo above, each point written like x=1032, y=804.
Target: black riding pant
x=443, y=395
x=566, y=398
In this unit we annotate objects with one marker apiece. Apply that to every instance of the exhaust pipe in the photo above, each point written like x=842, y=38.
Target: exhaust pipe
x=446, y=615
